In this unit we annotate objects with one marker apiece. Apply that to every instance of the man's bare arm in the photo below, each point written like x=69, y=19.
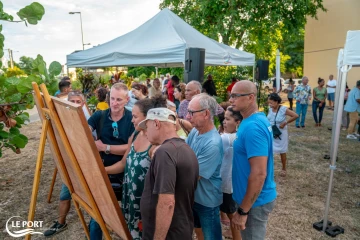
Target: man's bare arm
x=164, y=214
x=256, y=180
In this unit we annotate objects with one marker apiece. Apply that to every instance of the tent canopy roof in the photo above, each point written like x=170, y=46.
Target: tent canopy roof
x=352, y=49
x=161, y=42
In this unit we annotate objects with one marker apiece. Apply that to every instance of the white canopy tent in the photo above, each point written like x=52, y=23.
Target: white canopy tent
x=159, y=42
x=348, y=57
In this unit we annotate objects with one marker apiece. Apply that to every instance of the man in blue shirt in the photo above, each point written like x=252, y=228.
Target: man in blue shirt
x=206, y=142
x=254, y=188
x=353, y=108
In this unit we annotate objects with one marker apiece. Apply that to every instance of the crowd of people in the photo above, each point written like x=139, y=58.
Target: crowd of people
x=176, y=173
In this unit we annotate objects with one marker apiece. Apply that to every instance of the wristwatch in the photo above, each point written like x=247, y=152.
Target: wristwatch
x=240, y=211
x=107, y=151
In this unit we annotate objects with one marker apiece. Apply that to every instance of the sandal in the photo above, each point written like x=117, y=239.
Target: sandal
x=283, y=173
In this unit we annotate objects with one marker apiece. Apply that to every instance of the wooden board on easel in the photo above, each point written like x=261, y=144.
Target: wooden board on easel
x=80, y=163
x=88, y=157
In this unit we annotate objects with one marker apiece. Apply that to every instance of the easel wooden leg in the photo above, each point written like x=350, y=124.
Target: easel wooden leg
x=39, y=161
x=52, y=185
x=82, y=220
x=104, y=229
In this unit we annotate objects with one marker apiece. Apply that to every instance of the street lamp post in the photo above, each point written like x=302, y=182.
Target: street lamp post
x=82, y=33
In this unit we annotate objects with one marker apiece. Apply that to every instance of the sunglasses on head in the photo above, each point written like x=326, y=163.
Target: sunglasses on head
x=115, y=127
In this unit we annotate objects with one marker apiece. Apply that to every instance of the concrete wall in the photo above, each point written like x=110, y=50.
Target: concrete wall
x=325, y=36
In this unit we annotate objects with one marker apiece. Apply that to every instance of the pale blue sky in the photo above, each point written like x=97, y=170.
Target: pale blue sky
x=59, y=34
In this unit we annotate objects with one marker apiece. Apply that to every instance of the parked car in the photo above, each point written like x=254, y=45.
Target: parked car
x=265, y=84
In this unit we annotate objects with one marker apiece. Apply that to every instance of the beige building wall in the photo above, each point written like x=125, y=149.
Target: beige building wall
x=325, y=36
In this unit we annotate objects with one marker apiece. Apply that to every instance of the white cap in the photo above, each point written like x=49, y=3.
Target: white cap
x=161, y=114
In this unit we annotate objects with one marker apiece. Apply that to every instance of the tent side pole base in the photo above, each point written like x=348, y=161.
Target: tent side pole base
x=340, y=91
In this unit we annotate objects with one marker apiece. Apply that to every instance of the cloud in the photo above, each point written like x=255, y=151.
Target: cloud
x=59, y=33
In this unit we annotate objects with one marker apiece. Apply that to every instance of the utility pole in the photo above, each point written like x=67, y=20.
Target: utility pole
x=11, y=58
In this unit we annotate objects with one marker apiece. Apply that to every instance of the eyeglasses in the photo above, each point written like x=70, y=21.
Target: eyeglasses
x=115, y=127
x=237, y=95
x=191, y=113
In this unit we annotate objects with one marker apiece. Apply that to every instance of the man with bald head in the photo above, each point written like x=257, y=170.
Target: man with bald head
x=192, y=88
x=206, y=142
x=253, y=164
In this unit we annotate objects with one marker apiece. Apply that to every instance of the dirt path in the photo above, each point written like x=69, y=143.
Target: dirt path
x=301, y=195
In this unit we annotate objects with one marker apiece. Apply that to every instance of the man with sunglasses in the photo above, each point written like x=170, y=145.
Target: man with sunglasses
x=113, y=127
x=253, y=165
x=206, y=142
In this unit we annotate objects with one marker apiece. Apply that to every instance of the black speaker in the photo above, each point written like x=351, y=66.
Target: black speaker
x=262, y=70
x=194, y=64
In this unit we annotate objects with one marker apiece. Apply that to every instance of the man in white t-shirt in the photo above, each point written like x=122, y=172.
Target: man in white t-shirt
x=331, y=86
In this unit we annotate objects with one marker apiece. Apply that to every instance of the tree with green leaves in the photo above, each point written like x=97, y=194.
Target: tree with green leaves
x=25, y=64
x=252, y=25
x=15, y=88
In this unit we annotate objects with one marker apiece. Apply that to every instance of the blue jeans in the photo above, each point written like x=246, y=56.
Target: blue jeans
x=301, y=110
x=208, y=219
x=95, y=230
x=315, y=106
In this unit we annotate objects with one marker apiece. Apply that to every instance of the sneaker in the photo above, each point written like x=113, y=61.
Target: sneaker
x=356, y=134
x=344, y=129
x=298, y=126
x=55, y=229
x=350, y=136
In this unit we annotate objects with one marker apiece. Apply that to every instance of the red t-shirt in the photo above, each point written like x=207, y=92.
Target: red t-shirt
x=170, y=91
x=229, y=88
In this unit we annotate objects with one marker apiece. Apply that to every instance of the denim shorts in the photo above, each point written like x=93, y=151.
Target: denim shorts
x=255, y=227
x=208, y=219
x=331, y=96
x=65, y=193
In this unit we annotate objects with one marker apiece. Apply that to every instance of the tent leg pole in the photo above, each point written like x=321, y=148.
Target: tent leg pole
x=335, y=138
x=254, y=73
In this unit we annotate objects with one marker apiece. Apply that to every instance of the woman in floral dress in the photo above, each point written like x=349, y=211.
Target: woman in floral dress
x=135, y=164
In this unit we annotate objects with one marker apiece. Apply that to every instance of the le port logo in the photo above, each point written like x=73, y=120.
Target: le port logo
x=17, y=227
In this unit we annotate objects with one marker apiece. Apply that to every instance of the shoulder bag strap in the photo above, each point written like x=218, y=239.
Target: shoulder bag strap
x=276, y=114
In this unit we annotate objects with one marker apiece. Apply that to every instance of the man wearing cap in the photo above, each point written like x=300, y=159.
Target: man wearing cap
x=170, y=183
